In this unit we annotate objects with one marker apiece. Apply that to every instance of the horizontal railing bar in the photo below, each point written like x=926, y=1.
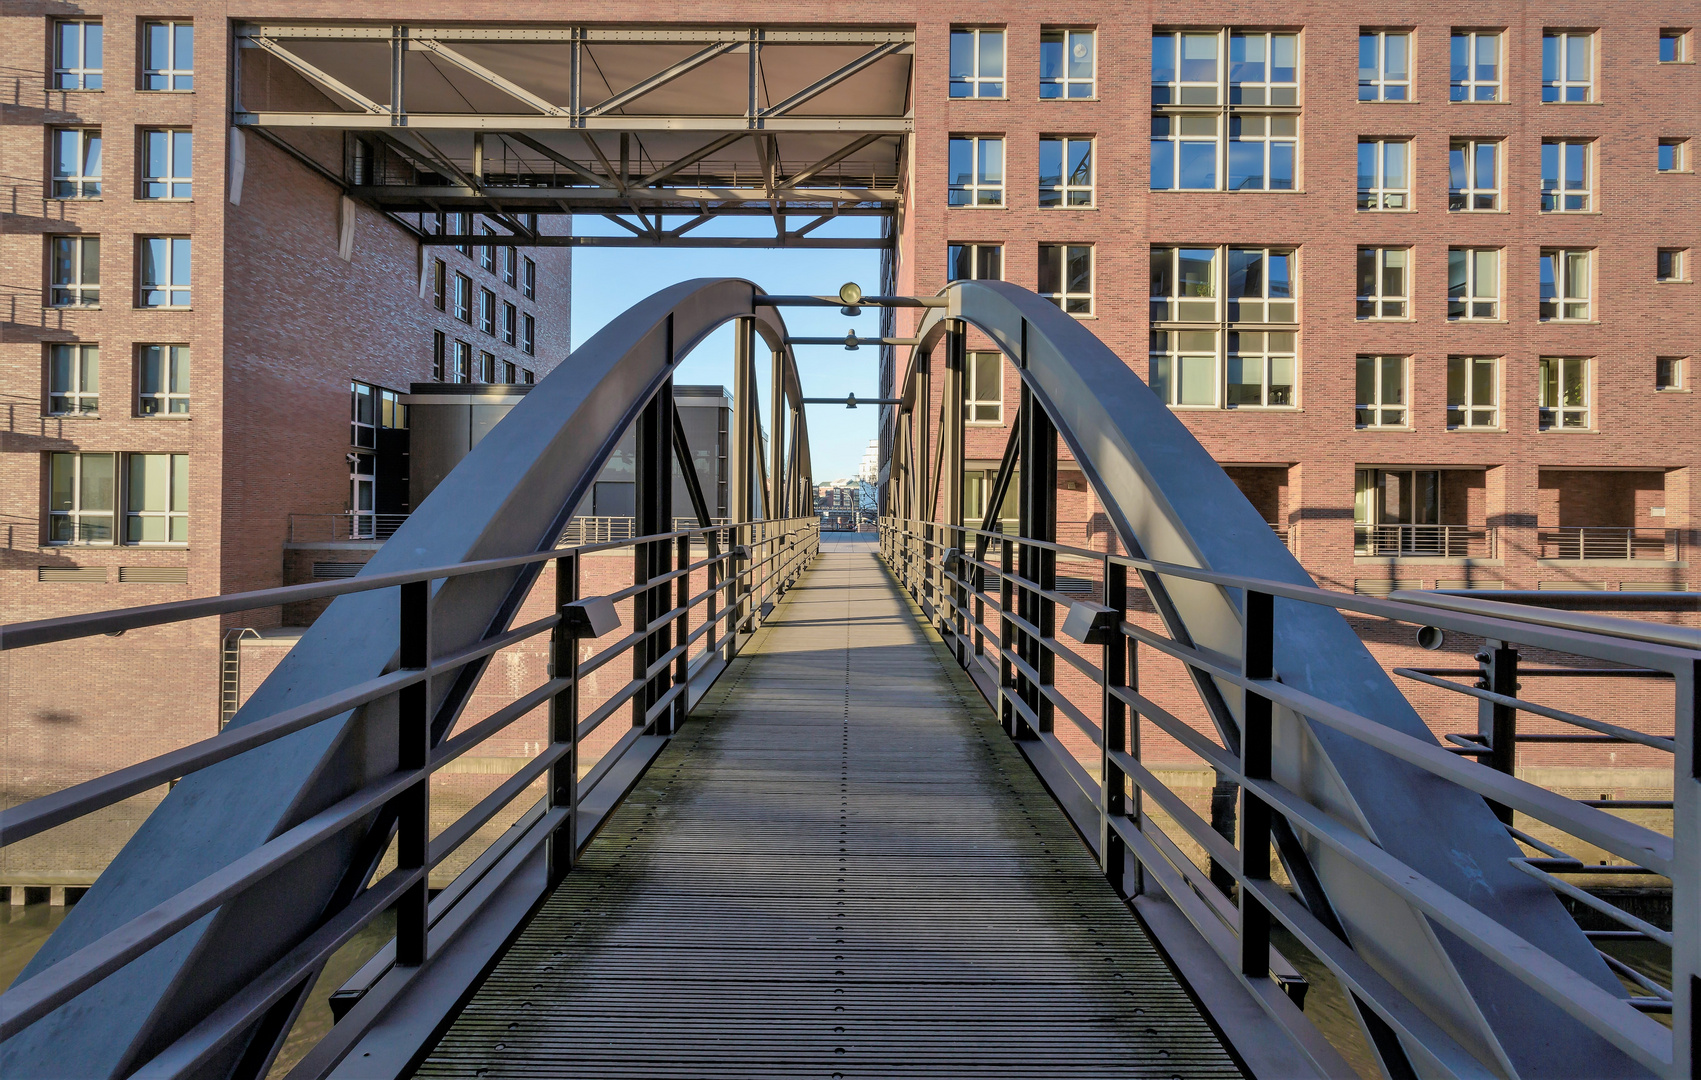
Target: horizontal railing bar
x=1658, y=742
x=462, y=828
x=608, y=760
x=614, y=650
x=662, y=704
x=450, y=749
x=1197, y=880
x=1636, y=976
x=1568, y=865
x=1215, y=844
x=606, y=709
x=1076, y=771
x=1530, y=673
x=1068, y=708
x=1074, y=659
x=1618, y=915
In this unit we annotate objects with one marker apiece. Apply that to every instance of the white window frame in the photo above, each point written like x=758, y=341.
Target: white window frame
x=1166, y=357
x=1375, y=305
x=1554, y=199
x=1271, y=350
x=487, y=312
x=1269, y=88
x=172, y=292
x=1474, y=294
x=1467, y=413
x=510, y=323
x=363, y=427
x=79, y=183
x=1673, y=378
x=975, y=81
x=1565, y=88
x=1070, y=191
x=363, y=496
x=76, y=397
x=510, y=261
x=1172, y=301
x=175, y=511
x=174, y=371
x=463, y=298
x=1382, y=195
x=1680, y=50
x=1677, y=264
x=1381, y=83
x=510, y=373
x=1175, y=125
x=528, y=335
x=1072, y=302
x=1276, y=130
x=439, y=356
x=977, y=262
x=1238, y=309
x=463, y=362
x=75, y=514
x=1465, y=192
x=983, y=404
x=529, y=280
x=177, y=186
x=1553, y=416
x=176, y=77
x=486, y=367
x=487, y=252
x=1562, y=305
x=1379, y=409
x=79, y=288
x=1068, y=84
x=1179, y=90
x=978, y=183
x=1469, y=88
x=1182, y=107
x=1679, y=155
x=78, y=74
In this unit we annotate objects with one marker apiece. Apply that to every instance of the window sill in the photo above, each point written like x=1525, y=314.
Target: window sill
x=1571, y=103
x=978, y=206
x=1064, y=100
x=1568, y=322
x=166, y=199
x=75, y=198
x=1672, y=390
x=73, y=307
x=1227, y=191
x=1674, y=281
x=163, y=307
x=1675, y=172
x=983, y=423
x=1497, y=101
x=1386, y=320
x=1056, y=209
x=139, y=91
x=1386, y=429
x=70, y=416
x=1568, y=213
x=1478, y=322
x=1476, y=431
x=1407, y=210
x=76, y=90
x=1483, y=213
x=1390, y=101
x=1567, y=431
x=169, y=417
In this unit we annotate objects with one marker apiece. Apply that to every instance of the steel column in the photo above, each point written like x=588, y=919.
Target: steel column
x=413, y=752
x=1113, y=794
x=1258, y=662
x=1497, y=724
x=1037, y=495
x=654, y=514
x=564, y=721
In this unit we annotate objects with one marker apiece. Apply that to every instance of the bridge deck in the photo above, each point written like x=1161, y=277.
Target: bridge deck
x=840, y=867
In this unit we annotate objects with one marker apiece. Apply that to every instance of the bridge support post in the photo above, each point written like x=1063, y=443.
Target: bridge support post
x=951, y=445
x=654, y=514
x=1497, y=724
x=1113, y=794
x=564, y=723
x=1037, y=563
x=1258, y=662
x=413, y=753
x=682, y=634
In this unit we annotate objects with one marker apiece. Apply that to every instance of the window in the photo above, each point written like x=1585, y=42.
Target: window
x=977, y=171
x=1382, y=282
x=1565, y=176
x=81, y=496
x=1473, y=283
x=1065, y=171
x=977, y=63
x=1564, y=285
x=1475, y=67
x=363, y=415
x=1384, y=500
x=1564, y=392
x=510, y=373
x=1472, y=392
x=486, y=367
x=1384, y=182
x=164, y=280
x=528, y=335
x=510, y=267
x=1384, y=65
x=1184, y=367
x=1260, y=286
x=362, y=495
x=1263, y=68
x=1261, y=152
x=73, y=380
x=1568, y=71
x=167, y=164
x=156, y=504
x=974, y=262
x=168, y=56
x=1188, y=150
x=162, y=380
x=1473, y=174
x=76, y=55
x=76, y=163
x=463, y=298
x=487, y=311
x=530, y=280
x=463, y=363
x=1668, y=373
x=528, y=377
x=1256, y=366
x=1184, y=285
x=1674, y=46
x=463, y=228
x=487, y=252
x=1067, y=63
x=440, y=285
x=439, y=355
x=74, y=271
x=1186, y=68
x=1066, y=276
x=984, y=399
x=1673, y=155
x=1669, y=264
x=1260, y=368
x=510, y=323
x=1184, y=152
x=1381, y=391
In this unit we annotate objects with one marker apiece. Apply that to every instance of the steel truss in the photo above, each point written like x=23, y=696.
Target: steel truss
x=632, y=124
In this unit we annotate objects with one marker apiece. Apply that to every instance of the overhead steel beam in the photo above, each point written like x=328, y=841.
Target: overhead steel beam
x=833, y=243
x=662, y=78
x=324, y=79
x=830, y=160
x=882, y=125
x=247, y=32
x=690, y=159
x=608, y=193
x=513, y=89
x=561, y=159
x=820, y=87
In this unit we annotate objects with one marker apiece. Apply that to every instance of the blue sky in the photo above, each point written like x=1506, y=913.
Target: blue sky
x=606, y=281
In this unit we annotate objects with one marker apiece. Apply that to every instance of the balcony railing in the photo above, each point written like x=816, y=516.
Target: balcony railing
x=337, y=528
x=1442, y=541
x=1591, y=542
x=608, y=530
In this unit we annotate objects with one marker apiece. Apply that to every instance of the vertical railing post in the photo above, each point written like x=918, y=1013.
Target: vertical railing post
x=682, y=634
x=564, y=722
x=1037, y=497
x=653, y=497
x=1007, y=633
x=1257, y=662
x=413, y=754
x=1686, y=878
x=1497, y=724
x=712, y=589
x=1113, y=797
x=1136, y=801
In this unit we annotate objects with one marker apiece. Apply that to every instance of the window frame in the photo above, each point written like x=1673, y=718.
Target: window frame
x=1548, y=413
x=487, y=312
x=1372, y=414
x=977, y=257
x=1378, y=295
x=1380, y=80
x=977, y=183
x=1680, y=51
x=85, y=185
x=529, y=279
x=1467, y=91
x=1067, y=296
x=1677, y=265
x=1064, y=83
x=975, y=397
x=528, y=334
x=439, y=355
x=1679, y=155
x=462, y=298
x=510, y=323
x=486, y=367
x=1554, y=199
x=510, y=262
x=1557, y=309
x=82, y=357
x=1471, y=297
x=1472, y=190
x=175, y=360
x=1562, y=85
x=76, y=291
x=1271, y=143
x=1168, y=381
x=76, y=512
x=1462, y=415
x=1268, y=356
x=1673, y=380
x=440, y=285
x=974, y=80
x=1066, y=187
x=487, y=252
x=1173, y=300
x=79, y=71
x=1180, y=102
x=1226, y=324
x=463, y=354
x=171, y=181
x=178, y=297
x=180, y=79
x=1383, y=197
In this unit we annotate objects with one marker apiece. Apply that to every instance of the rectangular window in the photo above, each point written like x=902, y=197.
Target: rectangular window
x=486, y=367
x=1473, y=174
x=528, y=377
x=1384, y=65
x=1261, y=151
x=168, y=56
x=167, y=164
x=463, y=228
x=76, y=55
x=1187, y=68
x=1189, y=152
x=1669, y=264
x=76, y=163
x=1564, y=402
x=1674, y=46
x=510, y=374
x=74, y=271
x=1668, y=373
x=1184, y=151
x=1261, y=368
x=463, y=362
x=1473, y=283
x=162, y=380
x=977, y=63
x=1564, y=285
x=1384, y=176
x=363, y=415
x=510, y=265
x=1473, y=392
x=1565, y=176
x=977, y=171
x=463, y=298
x=82, y=495
x=974, y=262
x=1260, y=286
x=156, y=504
x=1184, y=285
x=439, y=355
x=1382, y=282
x=1568, y=70
x=391, y=412
x=1067, y=63
x=164, y=277
x=1184, y=367
x=1263, y=68
x=1065, y=171
x=73, y=380
x=1066, y=276
x=487, y=311
x=510, y=323
x=1673, y=155
x=1475, y=66
x=487, y=252
x=1381, y=391
x=439, y=285
x=528, y=335
x=984, y=400
x=1386, y=499
x=530, y=280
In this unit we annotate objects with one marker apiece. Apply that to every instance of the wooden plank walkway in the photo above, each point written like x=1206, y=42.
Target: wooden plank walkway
x=841, y=867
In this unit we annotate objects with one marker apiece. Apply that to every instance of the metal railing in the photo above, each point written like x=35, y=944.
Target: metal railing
x=745, y=568
x=998, y=623
x=1594, y=542
x=337, y=528
x=1445, y=541
x=604, y=530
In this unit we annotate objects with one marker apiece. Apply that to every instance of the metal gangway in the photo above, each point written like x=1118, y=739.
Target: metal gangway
x=754, y=718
